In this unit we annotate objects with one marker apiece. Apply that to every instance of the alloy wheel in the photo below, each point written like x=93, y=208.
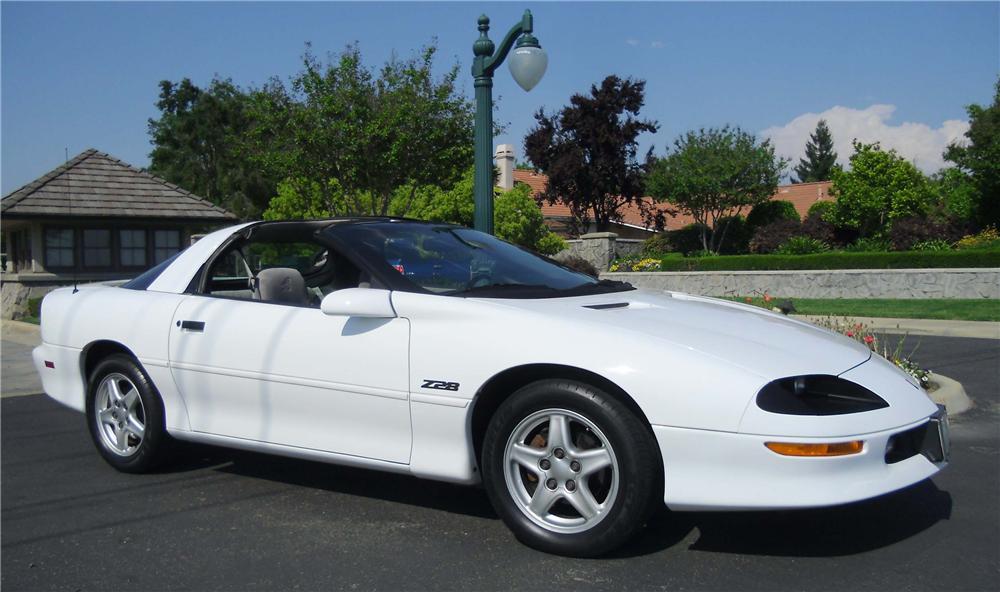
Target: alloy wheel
x=120, y=415
x=561, y=470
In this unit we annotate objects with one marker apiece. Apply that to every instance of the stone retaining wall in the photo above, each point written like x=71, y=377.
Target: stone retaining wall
x=601, y=248
x=850, y=283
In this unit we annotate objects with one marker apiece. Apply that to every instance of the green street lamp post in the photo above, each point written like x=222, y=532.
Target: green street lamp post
x=527, y=65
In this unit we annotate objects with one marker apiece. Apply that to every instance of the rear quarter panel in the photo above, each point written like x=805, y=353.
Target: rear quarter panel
x=138, y=320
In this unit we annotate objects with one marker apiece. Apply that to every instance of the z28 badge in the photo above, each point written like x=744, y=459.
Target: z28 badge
x=439, y=385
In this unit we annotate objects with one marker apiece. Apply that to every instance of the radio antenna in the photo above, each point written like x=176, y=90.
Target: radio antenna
x=69, y=180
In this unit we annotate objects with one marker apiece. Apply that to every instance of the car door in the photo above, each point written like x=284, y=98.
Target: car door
x=291, y=375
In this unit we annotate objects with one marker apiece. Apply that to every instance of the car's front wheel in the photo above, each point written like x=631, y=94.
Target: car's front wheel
x=570, y=469
x=125, y=415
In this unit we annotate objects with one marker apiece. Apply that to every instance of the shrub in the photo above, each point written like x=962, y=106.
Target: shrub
x=688, y=239
x=838, y=260
x=772, y=211
x=868, y=245
x=956, y=193
x=802, y=245
x=911, y=230
x=635, y=264
x=577, y=263
x=738, y=234
x=934, y=244
x=988, y=238
x=815, y=227
x=657, y=244
x=820, y=209
x=519, y=220
x=769, y=237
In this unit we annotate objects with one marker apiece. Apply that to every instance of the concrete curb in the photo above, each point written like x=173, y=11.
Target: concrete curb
x=21, y=332
x=974, y=329
x=951, y=394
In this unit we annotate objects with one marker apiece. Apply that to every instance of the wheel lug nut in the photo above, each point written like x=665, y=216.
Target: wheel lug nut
x=570, y=486
x=545, y=464
x=575, y=466
x=559, y=453
x=551, y=484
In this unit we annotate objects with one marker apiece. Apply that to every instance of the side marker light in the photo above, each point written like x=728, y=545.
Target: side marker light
x=798, y=449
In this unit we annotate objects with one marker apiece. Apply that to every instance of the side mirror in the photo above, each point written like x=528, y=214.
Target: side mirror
x=358, y=302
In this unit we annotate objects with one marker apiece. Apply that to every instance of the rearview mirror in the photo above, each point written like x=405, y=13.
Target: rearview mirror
x=358, y=302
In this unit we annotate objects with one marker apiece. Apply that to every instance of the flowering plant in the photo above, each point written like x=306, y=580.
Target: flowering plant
x=635, y=264
x=863, y=333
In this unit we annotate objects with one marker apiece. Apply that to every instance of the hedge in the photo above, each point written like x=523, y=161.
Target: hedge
x=836, y=260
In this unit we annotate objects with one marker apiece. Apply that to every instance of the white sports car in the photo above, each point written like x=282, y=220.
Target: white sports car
x=445, y=353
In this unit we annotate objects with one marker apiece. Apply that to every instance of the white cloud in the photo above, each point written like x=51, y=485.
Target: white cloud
x=632, y=42
x=656, y=44
x=916, y=142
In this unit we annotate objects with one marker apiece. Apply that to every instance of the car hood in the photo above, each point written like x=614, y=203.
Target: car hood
x=768, y=344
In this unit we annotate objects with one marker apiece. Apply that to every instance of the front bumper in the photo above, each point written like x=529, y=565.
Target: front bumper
x=706, y=470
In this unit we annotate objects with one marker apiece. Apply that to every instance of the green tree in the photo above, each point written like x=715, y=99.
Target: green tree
x=195, y=145
x=588, y=150
x=820, y=158
x=956, y=193
x=432, y=203
x=979, y=156
x=712, y=174
x=356, y=135
x=881, y=187
x=303, y=199
x=517, y=217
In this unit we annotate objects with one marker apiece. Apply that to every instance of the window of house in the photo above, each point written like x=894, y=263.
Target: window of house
x=132, y=248
x=96, y=248
x=165, y=244
x=59, y=247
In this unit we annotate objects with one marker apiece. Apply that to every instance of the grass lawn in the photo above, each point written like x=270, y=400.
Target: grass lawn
x=948, y=309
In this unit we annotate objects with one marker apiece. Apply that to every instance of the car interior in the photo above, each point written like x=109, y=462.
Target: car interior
x=282, y=263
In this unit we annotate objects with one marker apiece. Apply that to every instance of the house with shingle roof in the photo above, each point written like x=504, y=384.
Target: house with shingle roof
x=94, y=218
x=559, y=218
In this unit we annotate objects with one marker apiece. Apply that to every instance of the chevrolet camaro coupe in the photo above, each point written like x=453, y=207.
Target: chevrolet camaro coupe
x=437, y=351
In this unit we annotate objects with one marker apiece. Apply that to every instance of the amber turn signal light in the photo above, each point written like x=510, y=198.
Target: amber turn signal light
x=797, y=449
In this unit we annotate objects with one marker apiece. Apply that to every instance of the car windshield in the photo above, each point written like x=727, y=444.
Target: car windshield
x=456, y=261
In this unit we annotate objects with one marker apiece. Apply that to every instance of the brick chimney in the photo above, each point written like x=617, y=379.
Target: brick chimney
x=504, y=159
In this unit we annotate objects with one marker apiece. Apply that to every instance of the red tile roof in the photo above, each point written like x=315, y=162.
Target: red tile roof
x=802, y=195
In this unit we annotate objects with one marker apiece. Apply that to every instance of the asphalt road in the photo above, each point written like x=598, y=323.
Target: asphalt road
x=236, y=521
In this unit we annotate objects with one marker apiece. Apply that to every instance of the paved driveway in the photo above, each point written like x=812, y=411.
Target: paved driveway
x=226, y=520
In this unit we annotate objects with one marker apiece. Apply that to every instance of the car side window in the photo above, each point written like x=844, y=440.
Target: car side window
x=294, y=273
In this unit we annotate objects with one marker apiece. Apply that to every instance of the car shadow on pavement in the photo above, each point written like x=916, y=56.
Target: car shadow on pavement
x=820, y=532
x=459, y=499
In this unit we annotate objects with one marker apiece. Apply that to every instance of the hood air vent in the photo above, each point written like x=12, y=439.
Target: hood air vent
x=607, y=306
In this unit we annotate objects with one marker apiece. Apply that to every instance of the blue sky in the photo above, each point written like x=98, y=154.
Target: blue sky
x=85, y=75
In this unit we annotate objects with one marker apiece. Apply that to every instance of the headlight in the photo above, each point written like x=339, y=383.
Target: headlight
x=817, y=394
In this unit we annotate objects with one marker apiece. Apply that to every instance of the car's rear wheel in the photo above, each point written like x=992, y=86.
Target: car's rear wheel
x=570, y=469
x=125, y=415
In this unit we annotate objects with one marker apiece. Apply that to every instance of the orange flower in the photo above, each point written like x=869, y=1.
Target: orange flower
x=767, y=297
x=749, y=300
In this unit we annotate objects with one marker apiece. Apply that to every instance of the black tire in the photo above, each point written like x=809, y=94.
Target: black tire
x=152, y=447
x=640, y=473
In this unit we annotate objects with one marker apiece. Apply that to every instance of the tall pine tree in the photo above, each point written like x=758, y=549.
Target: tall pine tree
x=820, y=157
